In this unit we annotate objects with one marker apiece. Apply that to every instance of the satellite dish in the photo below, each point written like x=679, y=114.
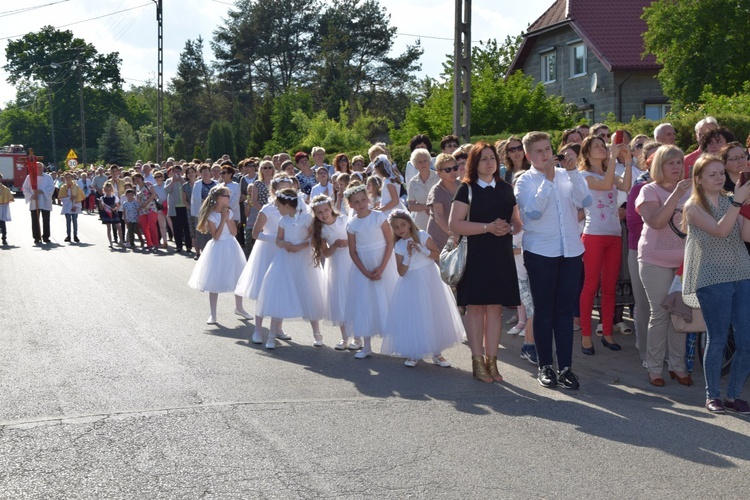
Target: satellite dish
x=594, y=82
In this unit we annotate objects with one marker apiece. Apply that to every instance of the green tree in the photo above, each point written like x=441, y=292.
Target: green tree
x=698, y=43
x=56, y=62
x=262, y=129
x=194, y=103
x=220, y=140
x=117, y=142
x=354, y=63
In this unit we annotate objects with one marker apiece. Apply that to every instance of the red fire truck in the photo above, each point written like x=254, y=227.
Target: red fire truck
x=13, y=166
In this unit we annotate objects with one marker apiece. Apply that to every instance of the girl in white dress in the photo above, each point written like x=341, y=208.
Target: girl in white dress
x=293, y=287
x=222, y=259
x=423, y=318
x=389, y=199
x=372, y=282
x=330, y=242
x=264, y=250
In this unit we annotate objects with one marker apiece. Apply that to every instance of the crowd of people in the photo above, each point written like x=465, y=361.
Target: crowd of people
x=602, y=221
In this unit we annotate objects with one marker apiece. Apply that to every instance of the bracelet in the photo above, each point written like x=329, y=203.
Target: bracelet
x=734, y=203
x=485, y=228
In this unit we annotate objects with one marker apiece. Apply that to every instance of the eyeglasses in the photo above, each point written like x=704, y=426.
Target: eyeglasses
x=454, y=168
x=737, y=158
x=515, y=149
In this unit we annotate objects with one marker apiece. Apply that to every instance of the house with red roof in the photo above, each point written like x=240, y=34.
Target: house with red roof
x=590, y=52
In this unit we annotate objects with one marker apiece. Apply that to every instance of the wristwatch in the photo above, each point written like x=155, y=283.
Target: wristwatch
x=485, y=228
x=734, y=203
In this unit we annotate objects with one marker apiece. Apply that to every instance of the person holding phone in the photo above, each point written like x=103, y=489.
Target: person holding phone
x=734, y=157
x=717, y=277
x=602, y=235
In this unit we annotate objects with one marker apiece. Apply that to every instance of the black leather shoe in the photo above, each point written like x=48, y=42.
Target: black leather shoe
x=588, y=351
x=612, y=346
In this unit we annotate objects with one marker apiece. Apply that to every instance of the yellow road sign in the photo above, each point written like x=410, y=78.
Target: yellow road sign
x=71, y=155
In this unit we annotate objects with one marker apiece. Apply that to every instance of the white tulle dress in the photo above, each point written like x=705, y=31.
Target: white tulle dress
x=385, y=196
x=220, y=263
x=423, y=318
x=367, y=307
x=293, y=286
x=338, y=267
x=264, y=251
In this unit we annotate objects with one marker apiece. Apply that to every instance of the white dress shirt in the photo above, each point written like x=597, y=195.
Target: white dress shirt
x=549, y=211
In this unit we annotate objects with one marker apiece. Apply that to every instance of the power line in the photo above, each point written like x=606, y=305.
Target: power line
x=83, y=20
x=27, y=9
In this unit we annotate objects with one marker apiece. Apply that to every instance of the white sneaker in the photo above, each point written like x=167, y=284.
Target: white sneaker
x=411, y=363
x=211, y=320
x=318, y=342
x=271, y=342
x=257, y=337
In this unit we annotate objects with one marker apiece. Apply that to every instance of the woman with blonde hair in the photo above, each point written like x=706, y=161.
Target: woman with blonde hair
x=661, y=251
x=717, y=277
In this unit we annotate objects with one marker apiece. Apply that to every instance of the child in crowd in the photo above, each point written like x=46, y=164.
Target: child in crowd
x=264, y=251
x=222, y=259
x=71, y=196
x=374, y=191
x=423, y=318
x=339, y=202
x=293, y=286
x=6, y=198
x=330, y=242
x=323, y=186
x=389, y=196
x=109, y=205
x=372, y=282
x=130, y=212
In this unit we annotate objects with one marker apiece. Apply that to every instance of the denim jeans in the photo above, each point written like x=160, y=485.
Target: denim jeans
x=554, y=289
x=724, y=304
x=74, y=219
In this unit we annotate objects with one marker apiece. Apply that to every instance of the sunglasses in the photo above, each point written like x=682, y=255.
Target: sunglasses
x=266, y=168
x=639, y=146
x=515, y=149
x=454, y=168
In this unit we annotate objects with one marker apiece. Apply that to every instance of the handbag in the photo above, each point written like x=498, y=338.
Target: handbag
x=697, y=324
x=453, y=257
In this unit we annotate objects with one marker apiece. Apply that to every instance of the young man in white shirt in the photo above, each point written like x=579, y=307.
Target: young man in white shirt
x=549, y=197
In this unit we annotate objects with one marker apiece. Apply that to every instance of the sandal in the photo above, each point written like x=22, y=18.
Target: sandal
x=623, y=328
x=479, y=369
x=599, y=330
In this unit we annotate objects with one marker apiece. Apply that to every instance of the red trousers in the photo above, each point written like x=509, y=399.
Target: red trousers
x=601, y=265
x=148, y=226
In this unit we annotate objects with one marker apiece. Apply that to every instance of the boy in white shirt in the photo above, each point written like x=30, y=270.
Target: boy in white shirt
x=323, y=186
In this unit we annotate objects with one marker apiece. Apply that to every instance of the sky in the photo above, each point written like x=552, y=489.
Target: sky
x=129, y=27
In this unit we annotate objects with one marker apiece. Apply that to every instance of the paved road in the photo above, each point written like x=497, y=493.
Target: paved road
x=113, y=386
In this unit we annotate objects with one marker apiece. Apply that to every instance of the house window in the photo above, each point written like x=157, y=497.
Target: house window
x=549, y=67
x=587, y=112
x=656, y=112
x=577, y=60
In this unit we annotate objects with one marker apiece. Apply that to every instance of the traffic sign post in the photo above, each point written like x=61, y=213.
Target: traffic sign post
x=72, y=159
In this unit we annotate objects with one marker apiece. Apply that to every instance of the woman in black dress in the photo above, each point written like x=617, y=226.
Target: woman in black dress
x=490, y=280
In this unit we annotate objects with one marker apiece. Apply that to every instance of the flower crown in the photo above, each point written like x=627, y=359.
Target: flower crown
x=352, y=191
x=286, y=197
x=324, y=201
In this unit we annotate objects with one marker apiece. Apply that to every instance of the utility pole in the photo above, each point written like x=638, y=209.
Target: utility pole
x=462, y=72
x=160, y=83
x=52, y=123
x=83, y=114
